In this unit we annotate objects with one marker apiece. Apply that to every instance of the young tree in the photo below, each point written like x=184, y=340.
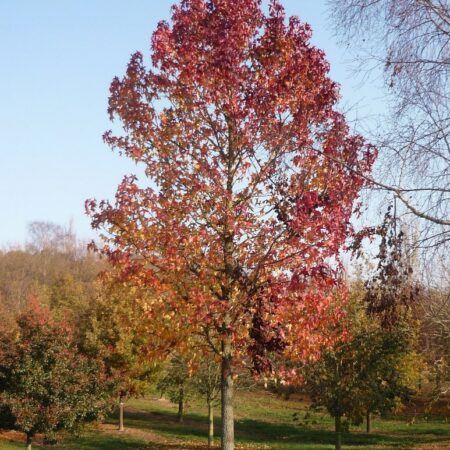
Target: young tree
x=176, y=383
x=180, y=382
x=364, y=374
x=206, y=381
x=45, y=383
x=115, y=329
x=252, y=180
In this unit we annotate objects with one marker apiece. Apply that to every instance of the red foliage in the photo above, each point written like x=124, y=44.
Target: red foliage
x=46, y=383
x=252, y=178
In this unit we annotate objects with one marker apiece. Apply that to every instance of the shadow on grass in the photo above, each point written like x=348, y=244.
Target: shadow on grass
x=260, y=432
x=193, y=426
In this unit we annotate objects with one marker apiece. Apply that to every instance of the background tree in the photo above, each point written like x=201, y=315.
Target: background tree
x=46, y=384
x=206, y=381
x=252, y=180
x=391, y=288
x=367, y=373
x=52, y=237
x=408, y=40
x=116, y=330
x=176, y=383
x=433, y=314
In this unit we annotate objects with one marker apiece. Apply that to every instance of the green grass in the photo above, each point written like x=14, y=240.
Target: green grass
x=263, y=421
x=90, y=441
x=5, y=445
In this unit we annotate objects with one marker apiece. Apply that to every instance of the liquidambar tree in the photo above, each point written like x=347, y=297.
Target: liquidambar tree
x=252, y=177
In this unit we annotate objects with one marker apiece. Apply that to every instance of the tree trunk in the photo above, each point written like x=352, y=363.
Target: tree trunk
x=338, y=432
x=227, y=399
x=368, y=422
x=29, y=441
x=211, y=425
x=121, y=405
x=181, y=406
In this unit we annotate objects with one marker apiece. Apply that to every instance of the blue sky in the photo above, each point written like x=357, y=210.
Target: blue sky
x=58, y=58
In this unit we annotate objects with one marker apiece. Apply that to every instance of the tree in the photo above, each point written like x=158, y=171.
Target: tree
x=252, y=179
x=51, y=237
x=392, y=287
x=181, y=381
x=176, y=383
x=46, y=384
x=433, y=313
x=364, y=374
x=16, y=280
x=408, y=39
x=206, y=381
x=68, y=298
x=114, y=328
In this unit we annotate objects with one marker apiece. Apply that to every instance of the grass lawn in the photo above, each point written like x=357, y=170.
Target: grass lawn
x=263, y=421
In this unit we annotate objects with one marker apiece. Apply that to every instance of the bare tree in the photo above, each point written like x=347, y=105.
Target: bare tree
x=436, y=312
x=207, y=382
x=51, y=237
x=410, y=41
